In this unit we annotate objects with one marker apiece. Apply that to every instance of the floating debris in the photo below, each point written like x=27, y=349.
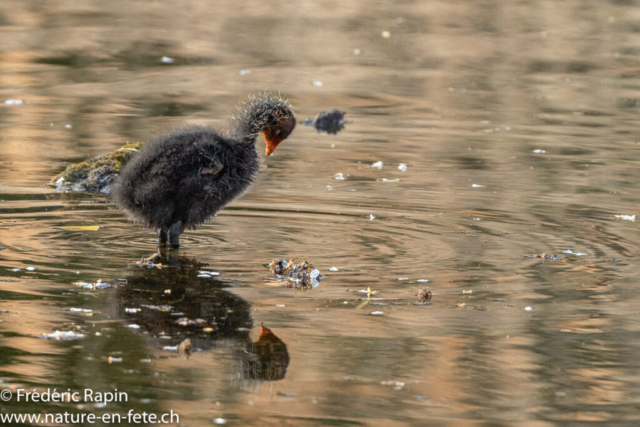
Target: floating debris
x=158, y=307
x=368, y=291
x=330, y=122
x=147, y=263
x=30, y=268
x=207, y=274
x=80, y=228
x=626, y=217
x=185, y=321
x=170, y=348
x=97, y=174
x=477, y=186
x=528, y=308
x=402, y=279
x=338, y=177
x=219, y=421
x=280, y=305
x=80, y=310
x=115, y=359
x=371, y=217
x=63, y=336
x=300, y=272
x=377, y=165
x=386, y=34
x=402, y=167
x=377, y=313
x=539, y=151
x=132, y=310
x=390, y=180
x=166, y=60
x=245, y=72
x=570, y=252
x=15, y=270
x=356, y=52
x=185, y=347
x=425, y=294
x=334, y=269
x=317, y=83
x=397, y=385
x=470, y=291
x=133, y=326
x=544, y=256
x=68, y=126
x=98, y=285
x=13, y=102
x=422, y=280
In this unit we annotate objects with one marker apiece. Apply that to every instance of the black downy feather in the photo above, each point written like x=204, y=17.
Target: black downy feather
x=164, y=184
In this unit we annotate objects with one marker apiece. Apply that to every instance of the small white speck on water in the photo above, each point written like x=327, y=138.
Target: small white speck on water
x=371, y=217
x=280, y=305
x=356, y=51
x=386, y=34
x=338, y=177
x=402, y=279
x=476, y=186
x=13, y=102
x=422, y=280
x=539, y=151
x=166, y=60
x=377, y=165
x=68, y=126
x=317, y=83
x=570, y=252
x=402, y=167
x=30, y=268
x=219, y=421
x=333, y=269
x=329, y=187
x=528, y=308
x=377, y=313
x=133, y=326
x=245, y=72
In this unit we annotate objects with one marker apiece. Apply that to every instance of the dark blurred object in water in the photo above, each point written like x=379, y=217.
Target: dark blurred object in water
x=97, y=174
x=331, y=122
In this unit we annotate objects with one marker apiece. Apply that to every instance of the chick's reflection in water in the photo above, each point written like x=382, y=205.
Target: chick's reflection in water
x=182, y=307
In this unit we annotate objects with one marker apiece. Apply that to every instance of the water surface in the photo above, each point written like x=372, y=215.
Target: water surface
x=460, y=92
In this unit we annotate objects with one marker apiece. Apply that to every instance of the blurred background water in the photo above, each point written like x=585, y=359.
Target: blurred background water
x=462, y=92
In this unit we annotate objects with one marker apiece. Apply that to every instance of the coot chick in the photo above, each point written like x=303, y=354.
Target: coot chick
x=179, y=180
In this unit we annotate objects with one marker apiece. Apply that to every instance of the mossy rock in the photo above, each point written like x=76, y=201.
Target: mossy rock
x=97, y=174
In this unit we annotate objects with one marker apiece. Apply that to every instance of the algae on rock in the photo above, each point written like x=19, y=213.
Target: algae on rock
x=97, y=174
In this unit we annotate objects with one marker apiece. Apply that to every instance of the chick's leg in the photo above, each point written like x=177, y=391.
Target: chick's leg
x=174, y=234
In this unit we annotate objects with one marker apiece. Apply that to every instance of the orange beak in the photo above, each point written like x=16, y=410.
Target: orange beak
x=272, y=143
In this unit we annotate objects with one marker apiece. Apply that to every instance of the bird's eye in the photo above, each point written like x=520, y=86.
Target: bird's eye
x=278, y=131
